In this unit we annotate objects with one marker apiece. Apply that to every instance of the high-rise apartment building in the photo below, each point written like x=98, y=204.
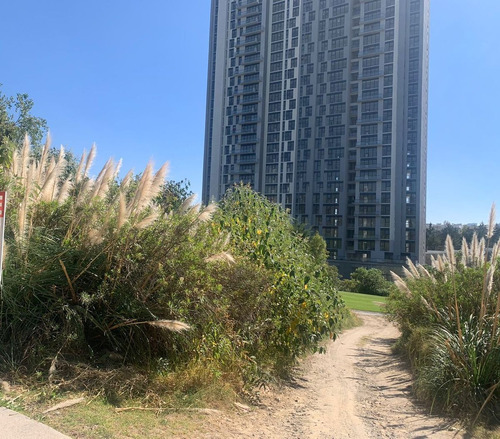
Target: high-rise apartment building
x=321, y=105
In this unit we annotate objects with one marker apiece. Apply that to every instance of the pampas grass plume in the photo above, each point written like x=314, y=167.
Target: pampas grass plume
x=169, y=325
x=222, y=256
x=401, y=284
x=491, y=223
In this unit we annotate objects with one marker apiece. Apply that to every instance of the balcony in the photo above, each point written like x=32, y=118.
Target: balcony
x=374, y=75
x=372, y=17
x=365, y=167
x=243, y=3
x=257, y=30
x=252, y=60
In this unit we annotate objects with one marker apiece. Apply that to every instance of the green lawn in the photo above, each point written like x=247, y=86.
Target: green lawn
x=363, y=302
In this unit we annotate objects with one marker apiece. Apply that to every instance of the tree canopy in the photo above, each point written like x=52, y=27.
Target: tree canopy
x=16, y=121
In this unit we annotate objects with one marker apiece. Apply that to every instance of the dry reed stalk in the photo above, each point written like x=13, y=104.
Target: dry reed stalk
x=142, y=189
x=168, y=325
x=408, y=274
x=25, y=156
x=106, y=180
x=64, y=191
x=159, y=179
x=441, y=265
x=126, y=181
x=425, y=272
x=207, y=213
x=474, y=250
x=401, y=284
x=161, y=409
x=21, y=220
x=496, y=316
x=95, y=236
x=489, y=279
x=433, y=262
x=491, y=223
x=426, y=304
x=44, y=156
x=222, y=257
x=73, y=294
x=100, y=178
x=117, y=169
x=90, y=160
x=53, y=176
x=495, y=252
x=122, y=210
x=13, y=170
x=450, y=253
x=465, y=252
x=412, y=268
x=148, y=220
x=79, y=169
x=482, y=252
x=186, y=204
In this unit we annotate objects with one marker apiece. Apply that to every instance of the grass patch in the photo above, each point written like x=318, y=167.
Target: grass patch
x=167, y=414
x=363, y=302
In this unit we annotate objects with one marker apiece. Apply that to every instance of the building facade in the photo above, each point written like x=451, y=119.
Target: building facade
x=321, y=105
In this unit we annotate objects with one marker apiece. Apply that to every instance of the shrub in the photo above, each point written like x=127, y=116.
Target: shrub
x=303, y=303
x=449, y=318
x=96, y=267
x=369, y=281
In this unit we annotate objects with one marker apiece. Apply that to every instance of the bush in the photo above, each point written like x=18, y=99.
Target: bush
x=449, y=318
x=369, y=281
x=303, y=303
x=99, y=267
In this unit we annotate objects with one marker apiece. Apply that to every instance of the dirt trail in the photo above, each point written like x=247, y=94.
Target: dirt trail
x=357, y=390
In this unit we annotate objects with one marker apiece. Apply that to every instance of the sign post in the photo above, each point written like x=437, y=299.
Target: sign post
x=3, y=205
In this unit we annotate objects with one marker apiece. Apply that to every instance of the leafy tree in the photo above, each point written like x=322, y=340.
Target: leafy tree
x=317, y=248
x=436, y=237
x=173, y=194
x=16, y=120
x=370, y=281
x=454, y=232
x=433, y=238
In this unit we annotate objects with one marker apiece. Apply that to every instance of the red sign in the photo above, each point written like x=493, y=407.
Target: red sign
x=2, y=204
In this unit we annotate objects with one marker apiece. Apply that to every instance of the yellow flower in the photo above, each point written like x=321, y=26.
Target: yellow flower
x=305, y=287
x=259, y=232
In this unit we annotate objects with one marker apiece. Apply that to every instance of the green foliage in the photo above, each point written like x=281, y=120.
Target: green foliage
x=16, y=120
x=317, y=248
x=173, y=194
x=302, y=303
x=368, y=281
x=436, y=237
x=98, y=271
x=449, y=319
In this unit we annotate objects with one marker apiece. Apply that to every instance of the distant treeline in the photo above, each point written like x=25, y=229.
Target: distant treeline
x=436, y=235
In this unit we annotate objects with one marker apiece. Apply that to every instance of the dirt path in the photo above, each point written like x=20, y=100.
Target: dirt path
x=357, y=390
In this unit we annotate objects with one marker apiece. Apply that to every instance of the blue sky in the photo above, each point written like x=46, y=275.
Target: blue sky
x=131, y=76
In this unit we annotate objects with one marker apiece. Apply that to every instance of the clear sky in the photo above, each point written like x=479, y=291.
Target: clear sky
x=131, y=76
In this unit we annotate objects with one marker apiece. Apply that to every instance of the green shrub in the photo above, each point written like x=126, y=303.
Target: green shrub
x=99, y=267
x=303, y=303
x=449, y=318
x=369, y=281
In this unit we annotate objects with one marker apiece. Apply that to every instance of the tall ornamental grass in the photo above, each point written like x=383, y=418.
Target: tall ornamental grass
x=449, y=315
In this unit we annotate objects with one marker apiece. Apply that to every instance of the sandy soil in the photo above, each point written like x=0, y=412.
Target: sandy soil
x=358, y=389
